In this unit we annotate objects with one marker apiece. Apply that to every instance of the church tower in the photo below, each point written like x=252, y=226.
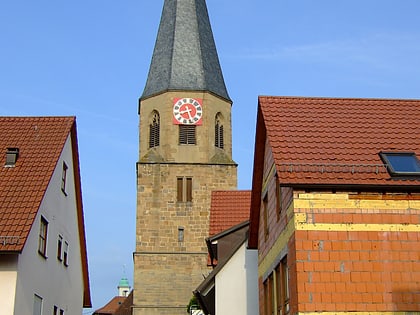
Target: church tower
x=185, y=153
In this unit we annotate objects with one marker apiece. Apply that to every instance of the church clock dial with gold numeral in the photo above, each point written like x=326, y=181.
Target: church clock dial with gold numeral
x=187, y=111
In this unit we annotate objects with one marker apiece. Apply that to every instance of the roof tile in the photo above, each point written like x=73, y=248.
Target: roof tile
x=228, y=208
x=338, y=140
x=40, y=141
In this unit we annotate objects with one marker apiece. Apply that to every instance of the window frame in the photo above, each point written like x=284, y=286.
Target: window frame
x=187, y=135
x=154, y=130
x=184, y=189
x=60, y=247
x=266, y=215
x=35, y=309
x=385, y=156
x=43, y=237
x=218, y=132
x=64, y=178
x=66, y=254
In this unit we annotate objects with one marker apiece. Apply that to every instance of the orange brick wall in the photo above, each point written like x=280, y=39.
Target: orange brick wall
x=358, y=271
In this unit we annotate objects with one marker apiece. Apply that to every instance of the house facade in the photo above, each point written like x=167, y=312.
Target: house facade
x=335, y=206
x=231, y=287
x=43, y=260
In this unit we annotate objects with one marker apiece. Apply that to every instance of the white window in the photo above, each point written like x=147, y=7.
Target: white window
x=37, y=305
x=64, y=178
x=66, y=254
x=42, y=241
x=59, y=247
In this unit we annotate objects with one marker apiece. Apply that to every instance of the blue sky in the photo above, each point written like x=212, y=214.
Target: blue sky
x=90, y=59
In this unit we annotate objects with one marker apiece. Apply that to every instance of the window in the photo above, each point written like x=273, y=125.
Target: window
x=184, y=189
x=55, y=310
x=154, y=130
x=180, y=234
x=37, y=310
x=61, y=312
x=187, y=134
x=59, y=247
x=269, y=296
x=12, y=155
x=278, y=195
x=64, y=178
x=401, y=163
x=265, y=212
x=66, y=254
x=282, y=287
x=42, y=241
x=218, y=132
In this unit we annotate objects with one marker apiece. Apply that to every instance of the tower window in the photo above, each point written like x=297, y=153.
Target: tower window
x=218, y=132
x=154, y=130
x=180, y=234
x=187, y=134
x=184, y=189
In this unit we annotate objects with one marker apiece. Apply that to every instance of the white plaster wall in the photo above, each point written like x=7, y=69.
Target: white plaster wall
x=8, y=275
x=237, y=284
x=49, y=278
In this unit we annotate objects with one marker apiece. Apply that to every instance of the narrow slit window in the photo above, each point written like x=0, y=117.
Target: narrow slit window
x=180, y=184
x=218, y=133
x=66, y=254
x=42, y=239
x=60, y=248
x=154, y=130
x=265, y=211
x=188, y=189
x=64, y=178
x=180, y=234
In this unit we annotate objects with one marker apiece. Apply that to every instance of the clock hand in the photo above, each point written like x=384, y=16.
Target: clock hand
x=189, y=113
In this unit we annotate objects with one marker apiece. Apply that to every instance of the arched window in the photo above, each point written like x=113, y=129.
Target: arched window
x=154, y=130
x=218, y=132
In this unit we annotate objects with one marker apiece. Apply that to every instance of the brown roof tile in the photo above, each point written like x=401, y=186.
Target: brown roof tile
x=40, y=141
x=111, y=307
x=228, y=208
x=338, y=140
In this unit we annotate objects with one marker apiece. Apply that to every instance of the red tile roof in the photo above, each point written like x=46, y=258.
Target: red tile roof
x=228, y=208
x=111, y=307
x=332, y=142
x=337, y=140
x=40, y=141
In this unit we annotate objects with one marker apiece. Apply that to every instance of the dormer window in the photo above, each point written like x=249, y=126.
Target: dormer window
x=401, y=163
x=12, y=155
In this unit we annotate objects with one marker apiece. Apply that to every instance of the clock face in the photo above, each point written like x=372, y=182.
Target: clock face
x=187, y=111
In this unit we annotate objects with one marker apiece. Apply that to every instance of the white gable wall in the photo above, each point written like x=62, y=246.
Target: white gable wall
x=50, y=278
x=8, y=274
x=237, y=284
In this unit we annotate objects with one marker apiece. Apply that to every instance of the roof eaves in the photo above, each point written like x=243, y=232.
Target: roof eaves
x=80, y=217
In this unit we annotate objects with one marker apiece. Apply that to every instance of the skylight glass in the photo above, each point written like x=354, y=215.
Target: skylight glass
x=402, y=163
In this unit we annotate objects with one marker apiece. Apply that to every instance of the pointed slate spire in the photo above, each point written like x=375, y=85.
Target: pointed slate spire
x=185, y=55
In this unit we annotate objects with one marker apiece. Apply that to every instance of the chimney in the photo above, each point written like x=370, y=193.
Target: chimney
x=12, y=155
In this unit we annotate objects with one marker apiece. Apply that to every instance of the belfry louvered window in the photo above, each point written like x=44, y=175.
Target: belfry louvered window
x=218, y=133
x=154, y=130
x=187, y=134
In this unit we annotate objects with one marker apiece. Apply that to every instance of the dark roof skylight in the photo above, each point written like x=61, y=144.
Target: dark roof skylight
x=401, y=163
